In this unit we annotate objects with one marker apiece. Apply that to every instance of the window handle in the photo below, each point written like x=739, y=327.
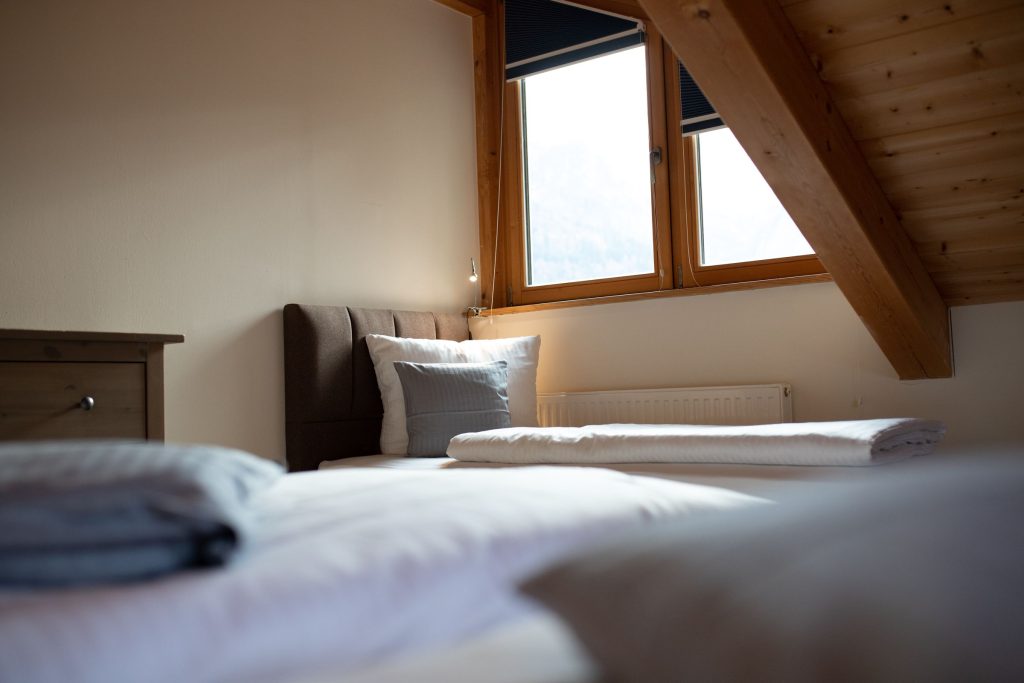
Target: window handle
x=655, y=157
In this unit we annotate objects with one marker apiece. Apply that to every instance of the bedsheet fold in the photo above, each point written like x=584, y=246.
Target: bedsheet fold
x=847, y=443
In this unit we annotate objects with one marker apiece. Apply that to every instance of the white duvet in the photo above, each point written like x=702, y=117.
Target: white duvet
x=345, y=568
x=847, y=443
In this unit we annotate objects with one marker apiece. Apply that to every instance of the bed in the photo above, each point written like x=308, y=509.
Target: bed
x=376, y=568
x=541, y=638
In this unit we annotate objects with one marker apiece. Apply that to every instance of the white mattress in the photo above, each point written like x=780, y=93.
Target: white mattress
x=346, y=568
x=772, y=482
x=536, y=649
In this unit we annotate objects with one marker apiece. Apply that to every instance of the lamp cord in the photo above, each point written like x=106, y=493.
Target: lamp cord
x=497, y=206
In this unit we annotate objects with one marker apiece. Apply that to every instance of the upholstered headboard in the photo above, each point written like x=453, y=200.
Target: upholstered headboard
x=332, y=404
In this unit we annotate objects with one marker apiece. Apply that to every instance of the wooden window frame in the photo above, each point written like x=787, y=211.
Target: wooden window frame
x=676, y=221
x=515, y=227
x=690, y=272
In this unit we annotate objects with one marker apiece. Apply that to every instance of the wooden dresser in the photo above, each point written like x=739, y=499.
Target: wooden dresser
x=62, y=385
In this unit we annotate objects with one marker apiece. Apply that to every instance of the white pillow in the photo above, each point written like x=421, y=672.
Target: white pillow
x=520, y=352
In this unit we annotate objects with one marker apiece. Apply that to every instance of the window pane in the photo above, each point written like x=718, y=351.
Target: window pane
x=588, y=192
x=740, y=218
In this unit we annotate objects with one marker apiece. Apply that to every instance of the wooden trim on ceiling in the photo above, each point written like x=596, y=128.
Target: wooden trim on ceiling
x=749, y=62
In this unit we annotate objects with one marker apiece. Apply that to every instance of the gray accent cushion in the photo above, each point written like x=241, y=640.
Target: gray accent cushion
x=912, y=577
x=446, y=399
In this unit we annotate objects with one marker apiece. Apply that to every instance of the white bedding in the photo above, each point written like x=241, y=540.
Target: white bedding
x=540, y=648
x=773, y=483
x=345, y=568
x=847, y=443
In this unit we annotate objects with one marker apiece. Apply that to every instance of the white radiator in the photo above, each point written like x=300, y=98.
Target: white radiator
x=754, y=404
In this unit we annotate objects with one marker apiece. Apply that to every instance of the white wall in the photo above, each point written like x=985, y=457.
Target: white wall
x=805, y=335
x=191, y=166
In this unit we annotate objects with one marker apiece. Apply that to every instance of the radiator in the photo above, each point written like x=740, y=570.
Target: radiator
x=754, y=404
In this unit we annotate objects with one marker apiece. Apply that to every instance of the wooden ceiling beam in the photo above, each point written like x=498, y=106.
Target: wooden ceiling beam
x=747, y=59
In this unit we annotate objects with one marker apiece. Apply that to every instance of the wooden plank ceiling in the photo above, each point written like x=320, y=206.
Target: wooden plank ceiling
x=933, y=93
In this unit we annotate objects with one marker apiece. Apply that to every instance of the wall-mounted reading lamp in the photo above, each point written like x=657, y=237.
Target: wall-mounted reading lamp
x=474, y=275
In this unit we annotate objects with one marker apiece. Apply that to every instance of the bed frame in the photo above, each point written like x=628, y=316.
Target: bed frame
x=332, y=405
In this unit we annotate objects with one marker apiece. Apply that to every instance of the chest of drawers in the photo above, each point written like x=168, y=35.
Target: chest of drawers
x=56, y=385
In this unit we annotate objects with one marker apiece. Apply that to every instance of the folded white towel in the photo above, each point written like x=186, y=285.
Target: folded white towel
x=855, y=442
x=94, y=511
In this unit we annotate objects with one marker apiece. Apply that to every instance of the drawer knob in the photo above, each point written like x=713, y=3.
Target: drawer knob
x=87, y=403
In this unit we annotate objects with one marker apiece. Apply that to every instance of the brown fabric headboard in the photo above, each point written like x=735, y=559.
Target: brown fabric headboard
x=332, y=404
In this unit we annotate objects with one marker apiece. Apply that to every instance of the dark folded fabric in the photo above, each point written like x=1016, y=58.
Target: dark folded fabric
x=77, y=512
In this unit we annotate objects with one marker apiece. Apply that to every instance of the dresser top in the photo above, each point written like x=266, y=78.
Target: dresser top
x=68, y=335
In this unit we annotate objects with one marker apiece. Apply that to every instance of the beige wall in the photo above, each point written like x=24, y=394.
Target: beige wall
x=805, y=335
x=191, y=166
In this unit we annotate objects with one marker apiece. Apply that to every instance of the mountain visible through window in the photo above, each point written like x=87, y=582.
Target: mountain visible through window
x=587, y=172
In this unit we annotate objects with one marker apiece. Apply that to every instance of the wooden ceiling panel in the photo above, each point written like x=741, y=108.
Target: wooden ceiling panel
x=933, y=91
x=981, y=220
x=955, y=186
x=828, y=25
x=971, y=253
x=941, y=102
x=969, y=132
x=964, y=287
x=985, y=42
x=977, y=144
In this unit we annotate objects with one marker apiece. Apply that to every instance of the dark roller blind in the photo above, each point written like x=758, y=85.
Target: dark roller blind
x=544, y=34
x=698, y=114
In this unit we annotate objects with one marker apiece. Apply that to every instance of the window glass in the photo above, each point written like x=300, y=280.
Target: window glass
x=740, y=218
x=587, y=171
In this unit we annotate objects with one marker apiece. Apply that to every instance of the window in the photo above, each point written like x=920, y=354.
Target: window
x=725, y=172
x=728, y=226
x=608, y=188
x=586, y=171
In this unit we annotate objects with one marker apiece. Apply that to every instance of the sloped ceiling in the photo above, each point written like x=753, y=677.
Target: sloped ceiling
x=933, y=92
